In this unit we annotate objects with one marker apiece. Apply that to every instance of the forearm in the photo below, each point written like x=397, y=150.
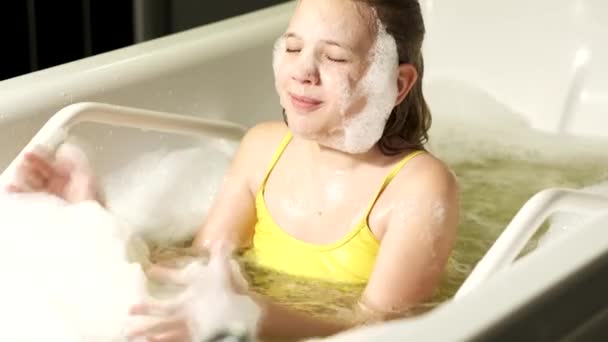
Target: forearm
x=281, y=322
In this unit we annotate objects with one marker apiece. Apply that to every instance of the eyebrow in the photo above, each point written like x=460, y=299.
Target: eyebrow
x=326, y=41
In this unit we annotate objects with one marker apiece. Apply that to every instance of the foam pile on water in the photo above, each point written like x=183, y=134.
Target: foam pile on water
x=165, y=195
x=67, y=270
x=72, y=271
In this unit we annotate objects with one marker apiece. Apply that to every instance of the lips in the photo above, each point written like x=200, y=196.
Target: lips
x=304, y=103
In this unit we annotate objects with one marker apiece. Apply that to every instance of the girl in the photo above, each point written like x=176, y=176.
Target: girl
x=342, y=190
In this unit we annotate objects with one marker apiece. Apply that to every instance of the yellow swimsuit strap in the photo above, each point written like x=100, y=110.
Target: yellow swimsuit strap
x=391, y=175
x=276, y=156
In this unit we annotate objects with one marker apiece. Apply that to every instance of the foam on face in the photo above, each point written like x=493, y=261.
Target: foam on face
x=277, y=53
x=362, y=130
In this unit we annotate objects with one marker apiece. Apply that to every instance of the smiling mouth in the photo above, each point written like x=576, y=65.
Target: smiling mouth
x=304, y=103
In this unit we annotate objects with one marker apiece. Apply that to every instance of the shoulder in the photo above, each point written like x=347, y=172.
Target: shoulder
x=262, y=140
x=257, y=149
x=428, y=188
x=265, y=134
x=428, y=174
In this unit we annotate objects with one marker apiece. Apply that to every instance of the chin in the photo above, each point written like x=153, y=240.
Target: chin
x=303, y=132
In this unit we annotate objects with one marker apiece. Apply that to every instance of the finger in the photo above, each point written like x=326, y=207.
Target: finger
x=155, y=307
x=222, y=248
x=171, y=275
x=39, y=163
x=179, y=335
x=13, y=188
x=220, y=260
x=35, y=181
x=162, y=274
x=156, y=328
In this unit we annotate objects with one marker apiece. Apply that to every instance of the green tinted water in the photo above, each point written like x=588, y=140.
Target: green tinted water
x=492, y=192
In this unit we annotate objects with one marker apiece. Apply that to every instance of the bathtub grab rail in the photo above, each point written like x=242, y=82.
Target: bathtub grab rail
x=55, y=130
x=524, y=224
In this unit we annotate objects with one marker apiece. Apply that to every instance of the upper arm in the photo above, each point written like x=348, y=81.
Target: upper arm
x=419, y=238
x=232, y=216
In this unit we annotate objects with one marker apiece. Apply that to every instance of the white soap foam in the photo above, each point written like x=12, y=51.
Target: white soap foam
x=379, y=85
x=74, y=270
x=358, y=131
x=165, y=195
x=73, y=259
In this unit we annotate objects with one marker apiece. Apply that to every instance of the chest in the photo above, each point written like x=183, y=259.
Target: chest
x=322, y=207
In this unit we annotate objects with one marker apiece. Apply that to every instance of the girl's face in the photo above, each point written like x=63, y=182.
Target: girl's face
x=324, y=74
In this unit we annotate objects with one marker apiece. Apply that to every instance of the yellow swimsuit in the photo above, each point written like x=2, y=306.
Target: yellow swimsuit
x=349, y=260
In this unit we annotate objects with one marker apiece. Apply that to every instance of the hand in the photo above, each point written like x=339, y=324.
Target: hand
x=187, y=317
x=66, y=175
x=173, y=257
x=165, y=263
x=172, y=321
x=173, y=327
x=177, y=327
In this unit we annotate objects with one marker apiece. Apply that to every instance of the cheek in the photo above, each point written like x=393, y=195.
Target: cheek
x=341, y=86
x=279, y=66
x=281, y=77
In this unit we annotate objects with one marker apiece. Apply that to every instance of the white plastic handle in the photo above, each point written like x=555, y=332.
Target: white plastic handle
x=55, y=130
x=523, y=226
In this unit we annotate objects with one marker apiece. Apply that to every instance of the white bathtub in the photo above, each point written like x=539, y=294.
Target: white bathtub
x=539, y=59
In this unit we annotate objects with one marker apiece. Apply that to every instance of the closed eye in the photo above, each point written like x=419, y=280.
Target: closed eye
x=336, y=60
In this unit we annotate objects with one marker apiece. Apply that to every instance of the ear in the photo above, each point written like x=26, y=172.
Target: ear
x=406, y=79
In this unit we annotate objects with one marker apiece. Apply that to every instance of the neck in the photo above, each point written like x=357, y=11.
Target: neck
x=339, y=160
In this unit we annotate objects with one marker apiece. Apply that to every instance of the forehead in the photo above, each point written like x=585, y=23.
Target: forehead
x=343, y=21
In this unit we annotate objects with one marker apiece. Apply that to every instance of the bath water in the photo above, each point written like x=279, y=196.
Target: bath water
x=493, y=188
x=492, y=191
x=494, y=184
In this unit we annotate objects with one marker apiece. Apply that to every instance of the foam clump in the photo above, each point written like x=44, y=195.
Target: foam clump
x=75, y=270
x=165, y=195
x=71, y=261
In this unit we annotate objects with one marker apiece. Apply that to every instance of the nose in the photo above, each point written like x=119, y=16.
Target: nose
x=306, y=73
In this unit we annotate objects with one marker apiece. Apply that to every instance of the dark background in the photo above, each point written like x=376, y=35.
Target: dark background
x=37, y=34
